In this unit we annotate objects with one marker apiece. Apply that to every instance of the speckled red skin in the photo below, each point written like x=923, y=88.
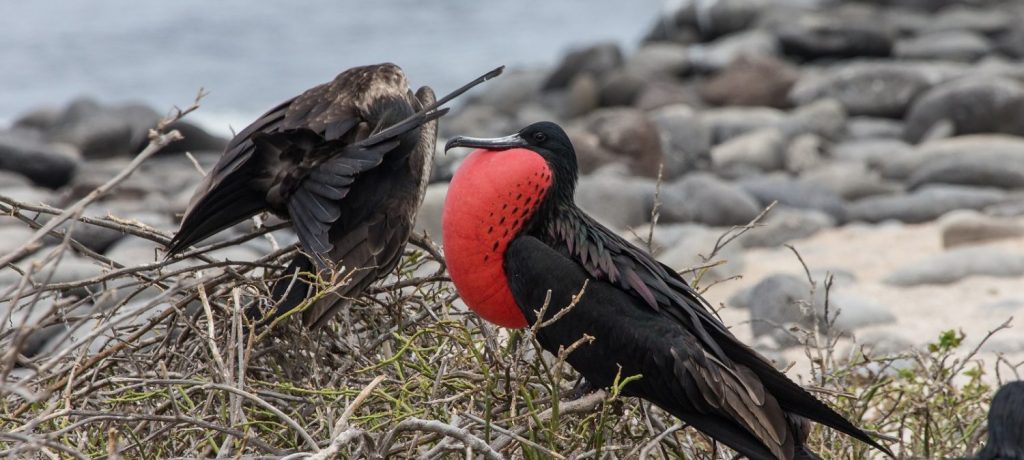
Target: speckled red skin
x=491, y=197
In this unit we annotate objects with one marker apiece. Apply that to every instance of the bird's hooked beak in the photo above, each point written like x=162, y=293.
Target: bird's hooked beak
x=494, y=143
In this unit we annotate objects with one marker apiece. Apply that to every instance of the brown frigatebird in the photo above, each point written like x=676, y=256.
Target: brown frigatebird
x=347, y=162
x=513, y=234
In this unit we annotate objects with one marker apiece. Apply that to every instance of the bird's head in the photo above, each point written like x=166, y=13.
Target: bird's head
x=543, y=138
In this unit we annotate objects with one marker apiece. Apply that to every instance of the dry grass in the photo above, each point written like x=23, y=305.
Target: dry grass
x=404, y=373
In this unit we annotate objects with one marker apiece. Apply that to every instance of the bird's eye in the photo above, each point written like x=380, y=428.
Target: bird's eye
x=540, y=137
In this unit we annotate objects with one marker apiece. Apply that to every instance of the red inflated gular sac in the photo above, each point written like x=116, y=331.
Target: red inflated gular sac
x=489, y=200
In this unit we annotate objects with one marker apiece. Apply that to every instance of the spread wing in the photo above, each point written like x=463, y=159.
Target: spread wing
x=678, y=373
x=608, y=257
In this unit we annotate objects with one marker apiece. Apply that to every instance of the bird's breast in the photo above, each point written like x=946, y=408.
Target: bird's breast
x=490, y=198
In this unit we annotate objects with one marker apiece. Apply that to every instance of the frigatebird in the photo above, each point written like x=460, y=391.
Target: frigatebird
x=1005, y=424
x=513, y=235
x=347, y=162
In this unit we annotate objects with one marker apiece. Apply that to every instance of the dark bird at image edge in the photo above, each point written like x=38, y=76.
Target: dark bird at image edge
x=347, y=162
x=512, y=233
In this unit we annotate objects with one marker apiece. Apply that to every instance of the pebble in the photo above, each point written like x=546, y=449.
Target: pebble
x=790, y=192
x=616, y=199
x=963, y=228
x=783, y=225
x=759, y=150
x=971, y=105
x=752, y=81
x=705, y=199
x=957, y=264
x=922, y=205
x=685, y=139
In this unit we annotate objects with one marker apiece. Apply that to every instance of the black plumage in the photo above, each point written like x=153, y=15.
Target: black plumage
x=1005, y=424
x=646, y=320
x=347, y=162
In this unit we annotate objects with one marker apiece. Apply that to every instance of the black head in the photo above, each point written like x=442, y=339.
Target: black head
x=547, y=139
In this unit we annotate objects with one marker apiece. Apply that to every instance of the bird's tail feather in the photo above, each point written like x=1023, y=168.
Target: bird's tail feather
x=234, y=202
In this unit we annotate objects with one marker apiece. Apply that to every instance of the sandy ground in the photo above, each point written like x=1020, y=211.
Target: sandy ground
x=922, y=312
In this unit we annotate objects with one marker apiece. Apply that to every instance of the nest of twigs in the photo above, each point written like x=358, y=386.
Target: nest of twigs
x=406, y=372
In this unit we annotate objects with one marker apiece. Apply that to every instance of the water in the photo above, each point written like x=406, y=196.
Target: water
x=250, y=57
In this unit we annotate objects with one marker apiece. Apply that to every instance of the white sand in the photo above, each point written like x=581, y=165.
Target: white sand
x=873, y=252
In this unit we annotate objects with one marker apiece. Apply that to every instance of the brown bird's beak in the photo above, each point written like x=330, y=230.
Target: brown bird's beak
x=494, y=143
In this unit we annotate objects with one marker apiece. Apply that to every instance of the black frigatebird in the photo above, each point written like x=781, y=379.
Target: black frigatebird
x=513, y=233
x=1005, y=424
x=346, y=161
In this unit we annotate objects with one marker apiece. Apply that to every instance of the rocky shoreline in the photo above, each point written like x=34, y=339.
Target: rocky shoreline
x=898, y=118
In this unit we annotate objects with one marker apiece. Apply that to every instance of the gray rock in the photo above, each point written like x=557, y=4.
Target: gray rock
x=962, y=228
x=685, y=139
x=40, y=119
x=730, y=122
x=665, y=235
x=780, y=301
x=716, y=55
x=983, y=169
x=851, y=312
x=844, y=35
x=873, y=152
x=925, y=204
x=825, y=118
x=690, y=251
x=428, y=219
x=706, y=199
x=583, y=96
x=972, y=105
x=803, y=153
x=790, y=192
x=1013, y=207
x=742, y=298
x=864, y=128
x=902, y=166
x=510, y=92
x=43, y=164
x=71, y=268
x=658, y=60
x=620, y=88
x=663, y=92
x=630, y=135
x=479, y=120
x=782, y=225
x=616, y=199
x=759, y=150
x=752, y=81
x=10, y=179
x=13, y=236
x=963, y=17
x=956, y=264
x=104, y=131
x=134, y=251
x=714, y=19
x=196, y=139
x=883, y=89
x=953, y=45
x=596, y=60
x=29, y=194
x=1011, y=43
x=850, y=180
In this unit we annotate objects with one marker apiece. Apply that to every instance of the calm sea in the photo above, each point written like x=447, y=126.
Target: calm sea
x=250, y=55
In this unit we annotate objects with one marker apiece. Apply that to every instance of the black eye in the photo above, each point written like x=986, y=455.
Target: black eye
x=540, y=137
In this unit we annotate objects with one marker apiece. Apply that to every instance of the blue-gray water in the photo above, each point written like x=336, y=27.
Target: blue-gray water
x=250, y=55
